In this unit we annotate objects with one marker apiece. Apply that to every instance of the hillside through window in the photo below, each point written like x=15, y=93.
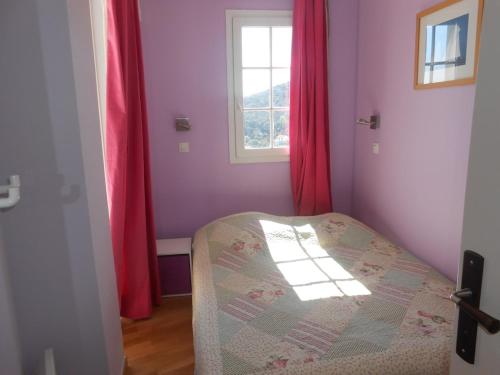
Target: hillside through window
x=259, y=75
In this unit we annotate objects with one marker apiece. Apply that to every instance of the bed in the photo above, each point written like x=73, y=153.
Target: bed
x=314, y=295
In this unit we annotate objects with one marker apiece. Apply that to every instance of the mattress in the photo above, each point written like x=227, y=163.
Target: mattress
x=314, y=295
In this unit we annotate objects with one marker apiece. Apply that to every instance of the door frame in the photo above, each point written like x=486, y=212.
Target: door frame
x=87, y=25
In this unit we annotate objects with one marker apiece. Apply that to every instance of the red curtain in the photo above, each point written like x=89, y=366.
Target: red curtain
x=127, y=165
x=309, y=121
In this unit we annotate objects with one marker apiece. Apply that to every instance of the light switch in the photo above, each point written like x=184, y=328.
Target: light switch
x=184, y=147
x=376, y=148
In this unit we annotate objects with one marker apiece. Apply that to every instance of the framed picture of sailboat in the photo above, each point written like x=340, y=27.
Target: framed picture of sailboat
x=447, y=44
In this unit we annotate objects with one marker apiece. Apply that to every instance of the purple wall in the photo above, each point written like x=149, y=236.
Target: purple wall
x=175, y=274
x=185, y=68
x=413, y=191
x=343, y=56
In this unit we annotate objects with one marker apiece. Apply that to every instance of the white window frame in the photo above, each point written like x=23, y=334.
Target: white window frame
x=235, y=19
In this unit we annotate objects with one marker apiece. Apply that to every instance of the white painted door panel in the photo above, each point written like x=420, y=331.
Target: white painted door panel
x=481, y=231
x=10, y=360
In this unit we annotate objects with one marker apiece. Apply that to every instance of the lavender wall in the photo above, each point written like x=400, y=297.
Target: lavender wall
x=343, y=56
x=185, y=67
x=413, y=191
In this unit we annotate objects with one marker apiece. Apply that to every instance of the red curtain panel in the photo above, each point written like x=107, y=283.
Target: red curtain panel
x=128, y=166
x=309, y=121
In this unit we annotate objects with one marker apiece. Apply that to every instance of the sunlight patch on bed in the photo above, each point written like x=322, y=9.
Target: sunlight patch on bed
x=317, y=291
x=301, y=272
x=307, y=266
x=353, y=288
x=334, y=270
x=309, y=241
x=282, y=243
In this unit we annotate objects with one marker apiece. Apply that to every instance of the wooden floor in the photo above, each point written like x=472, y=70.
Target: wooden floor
x=161, y=345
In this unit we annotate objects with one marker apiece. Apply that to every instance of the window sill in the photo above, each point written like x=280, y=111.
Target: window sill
x=260, y=159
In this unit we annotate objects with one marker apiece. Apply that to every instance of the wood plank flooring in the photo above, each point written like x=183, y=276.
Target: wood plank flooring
x=162, y=345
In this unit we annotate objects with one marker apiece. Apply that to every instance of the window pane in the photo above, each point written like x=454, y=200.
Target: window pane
x=255, y=47
x=281, y=87
x=256, y=87
x=282, y=46
x=281, y=123
x=257, y=128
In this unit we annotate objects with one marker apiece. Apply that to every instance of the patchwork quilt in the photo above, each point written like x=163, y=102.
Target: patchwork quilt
x=316, y=295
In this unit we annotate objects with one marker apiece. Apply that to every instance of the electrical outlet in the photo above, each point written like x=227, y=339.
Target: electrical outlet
x=376, y=148
x=184, y=147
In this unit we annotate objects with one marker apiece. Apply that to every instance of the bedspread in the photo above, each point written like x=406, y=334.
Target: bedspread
x=315, y=295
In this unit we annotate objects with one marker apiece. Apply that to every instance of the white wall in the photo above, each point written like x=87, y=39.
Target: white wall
x=57, y=242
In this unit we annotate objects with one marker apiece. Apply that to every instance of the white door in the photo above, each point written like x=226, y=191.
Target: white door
x=10, y=361
x=481, y=231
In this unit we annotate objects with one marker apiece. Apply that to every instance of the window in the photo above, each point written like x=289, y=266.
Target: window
x=446, y=48
x=259, y=54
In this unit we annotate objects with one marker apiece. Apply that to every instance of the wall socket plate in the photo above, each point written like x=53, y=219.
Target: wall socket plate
x=184, y=147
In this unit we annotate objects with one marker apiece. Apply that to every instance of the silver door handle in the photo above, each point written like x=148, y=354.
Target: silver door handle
x=12, y=192
x=489, y=323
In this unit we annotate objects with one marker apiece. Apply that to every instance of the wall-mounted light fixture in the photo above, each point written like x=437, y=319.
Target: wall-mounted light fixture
x=373, y=122
x=182, y=124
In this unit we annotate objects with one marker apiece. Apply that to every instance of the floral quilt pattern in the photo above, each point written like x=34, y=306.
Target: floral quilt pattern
x=316, y=295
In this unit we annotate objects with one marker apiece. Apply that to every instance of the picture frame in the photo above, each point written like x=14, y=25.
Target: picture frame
x=447, y=44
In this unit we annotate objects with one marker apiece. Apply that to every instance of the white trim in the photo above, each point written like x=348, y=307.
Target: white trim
x=173, y=246
x=87, y=102
x=254, y=156
x=99, y=24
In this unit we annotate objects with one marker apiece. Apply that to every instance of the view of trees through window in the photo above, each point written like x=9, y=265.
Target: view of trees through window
x=266, y=56
x=258, y=123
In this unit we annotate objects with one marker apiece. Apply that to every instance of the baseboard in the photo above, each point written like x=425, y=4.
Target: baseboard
x=176, y=295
